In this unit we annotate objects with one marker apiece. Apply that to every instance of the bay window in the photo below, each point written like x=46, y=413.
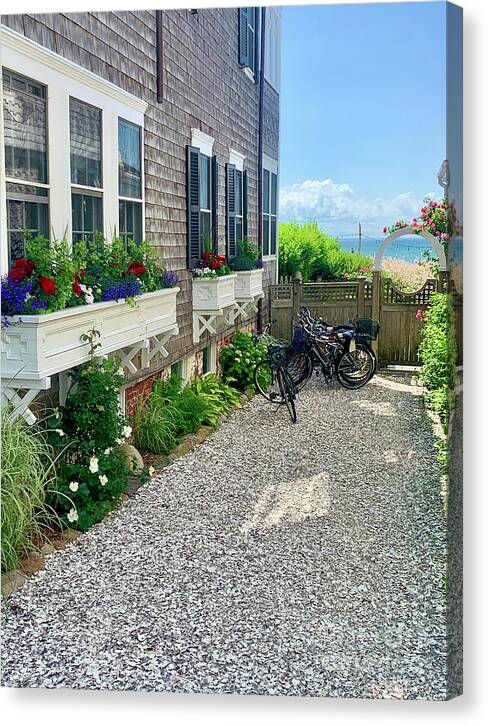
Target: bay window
x=130, y=181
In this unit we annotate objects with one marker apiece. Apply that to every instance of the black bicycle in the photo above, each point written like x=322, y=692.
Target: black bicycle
x=343, y=351
x=271, y=376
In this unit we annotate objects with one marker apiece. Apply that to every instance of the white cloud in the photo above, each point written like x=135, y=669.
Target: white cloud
x=338, y=209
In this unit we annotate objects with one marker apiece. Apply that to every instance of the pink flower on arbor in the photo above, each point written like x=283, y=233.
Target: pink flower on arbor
x=420, y=315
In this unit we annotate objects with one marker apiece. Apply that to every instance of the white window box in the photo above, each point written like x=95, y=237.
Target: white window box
x=213, y=294
x=249, y=284
x=39, y=346
x=213, y=298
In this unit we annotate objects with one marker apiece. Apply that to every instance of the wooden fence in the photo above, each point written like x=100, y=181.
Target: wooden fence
x=338, y=302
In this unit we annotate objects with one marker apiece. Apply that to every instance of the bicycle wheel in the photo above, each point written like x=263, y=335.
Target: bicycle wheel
x=287, y=388
x=266, y=382
x=300, y=367
x=356, y=368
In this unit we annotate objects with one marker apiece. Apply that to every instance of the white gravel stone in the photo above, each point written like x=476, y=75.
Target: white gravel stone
x=275, y=559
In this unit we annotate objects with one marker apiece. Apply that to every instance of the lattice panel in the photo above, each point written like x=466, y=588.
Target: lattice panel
x=282, y=296
x=317, y=292
x=393, y=296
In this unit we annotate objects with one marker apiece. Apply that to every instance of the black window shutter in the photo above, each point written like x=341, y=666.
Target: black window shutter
x=257, y=45
x=193, y=204
x=244, y=204
x=243, y=42
x=215, y=203
x=231, y=210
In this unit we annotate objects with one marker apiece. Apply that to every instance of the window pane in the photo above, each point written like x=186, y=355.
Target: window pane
x=238, y=229
x=205, y=226
x=265, y=234
x=85, y=143
x=206, y=360
x=251, y=17
x=130, y=220
x=87, y=216
x=25, y=216
x=273, y=236
x=204, y=182
x=129, y=160
x=25, y=122
x=274, y=181
x=266, y=191
x=250, y=45
x=238, y=192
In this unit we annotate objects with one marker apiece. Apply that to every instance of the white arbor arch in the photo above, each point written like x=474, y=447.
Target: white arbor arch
x=409, y=230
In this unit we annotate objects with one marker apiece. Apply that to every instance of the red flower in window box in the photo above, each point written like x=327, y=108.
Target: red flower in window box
x=77, y=288
x=23, y=268
x=136, y=268
x=47, y=284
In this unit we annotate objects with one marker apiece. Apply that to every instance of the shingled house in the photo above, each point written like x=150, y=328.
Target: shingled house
x=158, y=125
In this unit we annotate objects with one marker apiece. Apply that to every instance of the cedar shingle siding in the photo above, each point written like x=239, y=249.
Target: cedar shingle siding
x=203, y=86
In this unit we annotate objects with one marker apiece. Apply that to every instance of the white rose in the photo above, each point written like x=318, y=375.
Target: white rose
x=103, y=479
x=108, y=451
x=60, y=432
x=127, y=430
x=151, y=470
x=93, y=465
x=72, y=515
x=73, y=485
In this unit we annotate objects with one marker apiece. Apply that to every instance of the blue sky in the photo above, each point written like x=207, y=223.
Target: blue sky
x=362, y=112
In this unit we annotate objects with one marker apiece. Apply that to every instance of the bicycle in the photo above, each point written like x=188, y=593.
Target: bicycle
x=341, y=350
x=271, y=377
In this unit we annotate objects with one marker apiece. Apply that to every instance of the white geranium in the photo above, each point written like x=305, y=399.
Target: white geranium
x=72, y=515
x=103, y=479
x=73, y=485
x=127, y=430
x=93, y=466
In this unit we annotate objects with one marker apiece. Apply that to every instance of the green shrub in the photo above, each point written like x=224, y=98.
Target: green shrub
x=437, y=352
x=307, y=249
x=239, y=358
x=154, y=426
x=27, y=472
x=219, y=397
x=92, y=470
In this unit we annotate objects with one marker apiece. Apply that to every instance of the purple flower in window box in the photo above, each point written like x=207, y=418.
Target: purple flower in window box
x=169, y=278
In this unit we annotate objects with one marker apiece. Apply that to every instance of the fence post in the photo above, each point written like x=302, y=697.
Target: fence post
x=361, y=301
x=297, y=298
x=376, y=315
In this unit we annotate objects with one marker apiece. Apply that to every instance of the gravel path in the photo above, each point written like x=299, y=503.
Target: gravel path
x=273, y=559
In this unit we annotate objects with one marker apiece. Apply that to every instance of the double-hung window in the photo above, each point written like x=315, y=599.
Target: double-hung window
x=202, y=197
x=26, y=168
x=85, y=125
x=248, y=20
x=270, y=212
x=236, y=191
x=130, y=181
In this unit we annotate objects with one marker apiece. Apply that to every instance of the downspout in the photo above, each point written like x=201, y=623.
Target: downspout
x=260, y=155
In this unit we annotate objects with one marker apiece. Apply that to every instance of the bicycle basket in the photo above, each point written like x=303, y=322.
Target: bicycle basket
x=300, y=336
x=277, y=355
x=365, y=327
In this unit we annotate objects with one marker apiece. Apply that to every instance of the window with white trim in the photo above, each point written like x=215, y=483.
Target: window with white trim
x=130, y=181
x=270, y=212
x=26, y=168
x=248, y=21
x=86, y=170
x=272, y=47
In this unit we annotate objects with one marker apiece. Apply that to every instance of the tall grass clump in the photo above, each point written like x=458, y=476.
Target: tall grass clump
x=437, y=352
x=27, y=472
x=305, y=248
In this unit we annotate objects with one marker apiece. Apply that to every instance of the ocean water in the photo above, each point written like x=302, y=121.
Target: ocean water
x=410, y=247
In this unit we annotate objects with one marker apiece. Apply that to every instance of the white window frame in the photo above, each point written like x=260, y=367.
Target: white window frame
x=271, y=165
x=272, y=49
x=63, y=79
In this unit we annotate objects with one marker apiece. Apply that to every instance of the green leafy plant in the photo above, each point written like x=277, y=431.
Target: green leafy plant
x=305, y=248
x=27, y=474
x=91, y=468
x=239, y=358
x=247, y=257
x=437, y=352
x=155, y=428
x=219, y=397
